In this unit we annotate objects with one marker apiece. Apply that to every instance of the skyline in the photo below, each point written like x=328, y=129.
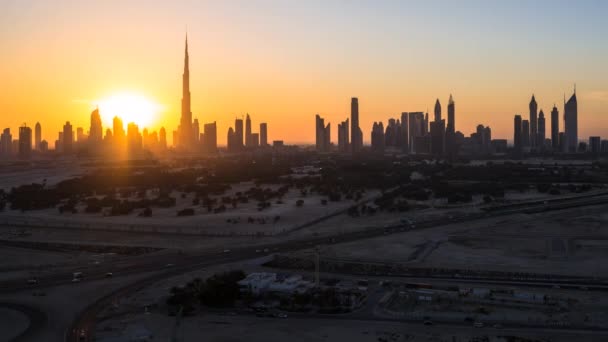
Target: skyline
x=278, y=77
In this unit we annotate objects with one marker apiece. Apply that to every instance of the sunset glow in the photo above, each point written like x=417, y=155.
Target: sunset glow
x=131, y=107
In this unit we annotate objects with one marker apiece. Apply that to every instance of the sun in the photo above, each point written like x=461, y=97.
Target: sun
x=130, y=107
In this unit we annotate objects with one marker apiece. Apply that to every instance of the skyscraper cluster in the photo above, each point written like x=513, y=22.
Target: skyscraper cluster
x=530, y=135
x=239, y=140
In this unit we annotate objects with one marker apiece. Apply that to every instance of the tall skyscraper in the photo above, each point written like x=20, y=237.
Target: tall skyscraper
x=134, y=139
x=571, y=123
x=437, y=111
x=415, y=128
x=185, y=131
x=95, y=130
x=238, y=134
x=25, y=142
x=248, y=141
x=68, y=138
x=378, y=137
x=322, y=134
x=517, y=134
x=210, y=137
x=525, y=131
x=437, y=135
x=37, y=136
x=231, y=140
x=356, y=140
x=343, y=136
x=533, y=122
x=404, y=132
x=162, y=138
x=119, y=135
x=451, y=126
x=263, y=134
x=6, y=142
x=196, y=129
x=555, y=129
x=540, y=136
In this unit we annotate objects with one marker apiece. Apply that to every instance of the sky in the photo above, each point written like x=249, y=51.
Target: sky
x=285, y=61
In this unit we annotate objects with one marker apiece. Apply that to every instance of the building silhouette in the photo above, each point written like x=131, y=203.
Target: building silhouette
x=67, y=138
x=210, y=137
x=438, y=134
x=185, y=133
x=162, y=138
x=356, y=140
x=248, y=137
x=525, y=130
x=518, y=134
x=540, y=136
x=451, y=148
x=555, y=129
x=322, y=134
x=196, y=129
x=415, y=129
x=25, y=142
x=404, y=143
x=437, y=111
x=533, y=123
x=343, y=136
x=378, y=137
x=571, y=123
x=263, y=134
x=238, y=134
x=95, y=129
x=37, y=136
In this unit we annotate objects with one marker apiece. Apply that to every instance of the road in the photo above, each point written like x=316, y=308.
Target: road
x=37, y=319
x=187, y=262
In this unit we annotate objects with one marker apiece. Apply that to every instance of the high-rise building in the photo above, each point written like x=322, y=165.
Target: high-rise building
x=255, y=140
x=378, y=137
x=571, y=123
x=594, y=145
x=451, y=125
x=450, y=130
x=322, y=134
x=196, y=130
x=231, y=140
x=80, y=136
x=134, y=139
x=415, y=129
x=44, y=146
x=263, y=134
x=119, y=135
x=95, y=130
x=37, y=136
x=525, y=130
x=518, y=134
x=6, y=143
x=162, y=138
x=238, y=134
x=540, y=136
x=210, y=137
x=533, y=122
x=68, y=138
x=248, y=142
x=185, y=132
x=437, y=111
x=437, y=135
x=343, y=136
x=405, y=143
x=356, y=140
x=25, y=142
x=555, y=129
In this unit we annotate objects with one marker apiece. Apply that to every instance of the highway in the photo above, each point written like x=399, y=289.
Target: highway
x=182, y=263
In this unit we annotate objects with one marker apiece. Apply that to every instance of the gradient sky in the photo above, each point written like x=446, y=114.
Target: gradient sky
x=285, y=61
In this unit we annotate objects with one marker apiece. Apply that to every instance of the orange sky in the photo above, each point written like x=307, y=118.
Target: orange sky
x=282, y=65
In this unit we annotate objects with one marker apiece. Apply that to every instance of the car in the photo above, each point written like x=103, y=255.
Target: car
x=109, y=275
x=282, y=315
x=266, y=250
x=428, y=322
x=258, y=250
x=76, y=280
x=169, y=265
x=226, y=251
x=32, y=281
x=38, y=293
x=478, y=324
x=497, y=326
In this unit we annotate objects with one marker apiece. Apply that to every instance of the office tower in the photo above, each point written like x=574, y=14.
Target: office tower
x=37, y=136
x=525, y=130
x=145, y=136
x=533, y=122
x=162, y=138
x=238, y=134
x=107, y=138
x=118, y=127
x=322, y=134
x=486, y=139
x=555, y=129
x=343, y=129
x=604, y=146
x=230, y=140
x=248, y=142
x=415, y=128
x=95, y=130
x=356, y=139
x=263, y=134
x=134, y=138
x=185, y=132
x=437, y=135
x=80, y=136
x=571, y=123
x=196, y=129
x=562, y=142
x=391, y=133
x=437, y=111
x=594, y=144
x=425, y=124
x=517, y=134
x=25, y=142
x=67, y=138
x=451, y=125
x=540, y=136
x=210, y=137
x=378, y=137
x=6, y=142
x=44, y=146
x=405, y=143
x=255, y=140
